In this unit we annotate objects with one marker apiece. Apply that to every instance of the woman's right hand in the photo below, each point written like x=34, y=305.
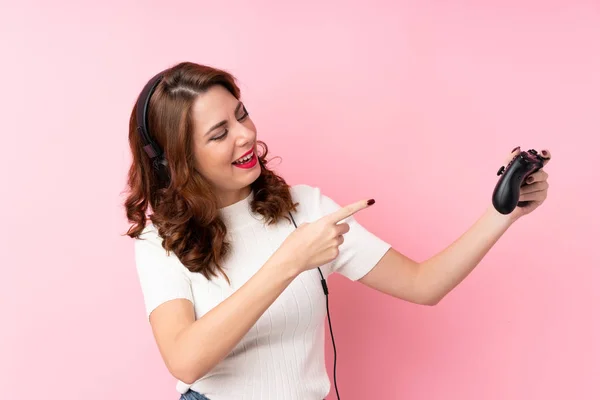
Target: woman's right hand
x=316, y=243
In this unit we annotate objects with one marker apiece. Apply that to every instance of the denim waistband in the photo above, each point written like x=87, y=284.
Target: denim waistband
x=191, y=395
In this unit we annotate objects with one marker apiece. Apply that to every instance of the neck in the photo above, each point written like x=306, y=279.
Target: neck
x=228, y=198
x=238, y=214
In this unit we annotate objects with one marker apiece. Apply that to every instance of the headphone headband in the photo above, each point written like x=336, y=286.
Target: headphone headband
x=150, y=146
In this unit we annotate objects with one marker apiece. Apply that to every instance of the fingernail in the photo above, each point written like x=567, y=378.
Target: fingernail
x=515, y=149
x=544, y=153
x=530, y=179
x=371, y=202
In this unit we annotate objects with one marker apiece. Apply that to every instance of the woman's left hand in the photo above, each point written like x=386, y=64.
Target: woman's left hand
x=535, y=188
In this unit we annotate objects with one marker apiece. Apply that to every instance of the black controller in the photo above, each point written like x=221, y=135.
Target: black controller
x=507, y=191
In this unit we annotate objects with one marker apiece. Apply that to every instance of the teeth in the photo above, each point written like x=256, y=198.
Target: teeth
x=245, y=159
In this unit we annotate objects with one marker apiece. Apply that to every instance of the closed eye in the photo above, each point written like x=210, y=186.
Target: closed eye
x=244, y=115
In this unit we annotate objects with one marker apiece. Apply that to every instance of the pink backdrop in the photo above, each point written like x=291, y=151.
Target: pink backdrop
x=411, y=91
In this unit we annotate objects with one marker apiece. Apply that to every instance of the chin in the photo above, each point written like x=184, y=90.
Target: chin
x=240, y=182
x=253, y=175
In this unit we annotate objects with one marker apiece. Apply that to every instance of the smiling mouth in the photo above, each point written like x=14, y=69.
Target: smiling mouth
x=245, y=159
x=248, y=161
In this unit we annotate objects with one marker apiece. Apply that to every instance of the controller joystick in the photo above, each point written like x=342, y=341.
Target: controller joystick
x=507, y=191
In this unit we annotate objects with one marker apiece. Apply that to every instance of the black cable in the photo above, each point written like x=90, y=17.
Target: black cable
x=326, y=291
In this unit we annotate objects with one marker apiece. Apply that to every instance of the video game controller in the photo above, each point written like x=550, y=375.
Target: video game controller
x=506, y=194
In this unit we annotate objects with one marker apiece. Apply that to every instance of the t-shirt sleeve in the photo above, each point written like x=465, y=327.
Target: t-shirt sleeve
x=361, y=249
x=161, y=275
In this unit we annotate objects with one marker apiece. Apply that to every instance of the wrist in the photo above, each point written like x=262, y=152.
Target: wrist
x=501, y=220
x=283, y=267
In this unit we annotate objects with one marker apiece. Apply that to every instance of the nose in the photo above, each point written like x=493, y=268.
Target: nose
x=244, y=135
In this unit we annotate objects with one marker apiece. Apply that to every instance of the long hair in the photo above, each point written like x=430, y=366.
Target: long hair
x=184, y=209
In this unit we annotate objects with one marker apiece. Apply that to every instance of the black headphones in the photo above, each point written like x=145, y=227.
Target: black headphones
x=151, y=148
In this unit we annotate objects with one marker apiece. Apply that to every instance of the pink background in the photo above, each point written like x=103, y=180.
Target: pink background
x=389, y=98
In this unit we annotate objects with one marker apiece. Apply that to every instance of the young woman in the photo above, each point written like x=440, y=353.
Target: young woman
x=232, y=260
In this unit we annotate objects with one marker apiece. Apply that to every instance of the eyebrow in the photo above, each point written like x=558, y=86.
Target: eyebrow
x=220, y=124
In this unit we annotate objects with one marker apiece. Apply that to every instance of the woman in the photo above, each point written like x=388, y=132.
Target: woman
x=231, y=259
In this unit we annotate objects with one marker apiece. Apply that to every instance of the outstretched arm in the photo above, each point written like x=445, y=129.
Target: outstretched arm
x=429, y=281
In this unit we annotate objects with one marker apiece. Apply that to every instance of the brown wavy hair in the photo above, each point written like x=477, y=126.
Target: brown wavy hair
x=183, y=208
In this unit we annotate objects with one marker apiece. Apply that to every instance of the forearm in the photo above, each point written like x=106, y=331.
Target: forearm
x=438, y=275
x=210, y=338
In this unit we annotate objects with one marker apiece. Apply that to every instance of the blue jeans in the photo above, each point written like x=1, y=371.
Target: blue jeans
x=191, y=395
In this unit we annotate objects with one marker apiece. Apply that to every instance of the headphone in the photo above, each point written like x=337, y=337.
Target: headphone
x=160, y=164
x=151, y=148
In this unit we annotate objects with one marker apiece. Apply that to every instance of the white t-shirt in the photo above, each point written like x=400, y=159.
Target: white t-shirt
x=282, y=356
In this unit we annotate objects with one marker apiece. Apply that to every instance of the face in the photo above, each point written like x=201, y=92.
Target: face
x=224, y=144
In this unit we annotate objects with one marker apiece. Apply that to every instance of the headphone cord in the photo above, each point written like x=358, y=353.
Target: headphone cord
x=326, y=291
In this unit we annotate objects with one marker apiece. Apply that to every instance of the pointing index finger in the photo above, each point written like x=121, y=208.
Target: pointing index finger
x=349, y=210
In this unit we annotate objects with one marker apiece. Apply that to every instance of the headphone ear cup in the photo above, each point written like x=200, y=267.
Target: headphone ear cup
x=161, y=167
x=160, y=162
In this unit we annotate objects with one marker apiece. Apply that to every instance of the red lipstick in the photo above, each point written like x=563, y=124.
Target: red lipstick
x=248, y=162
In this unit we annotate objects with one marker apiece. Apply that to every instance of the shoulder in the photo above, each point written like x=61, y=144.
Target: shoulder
x=148, y=241
x=306, y=194
x=303, y=191
x=313, y=203
x=161, y=275
x=150, y=253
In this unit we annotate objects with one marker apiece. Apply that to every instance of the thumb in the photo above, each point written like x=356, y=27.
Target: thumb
x=513, y=153
x=509, y=157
